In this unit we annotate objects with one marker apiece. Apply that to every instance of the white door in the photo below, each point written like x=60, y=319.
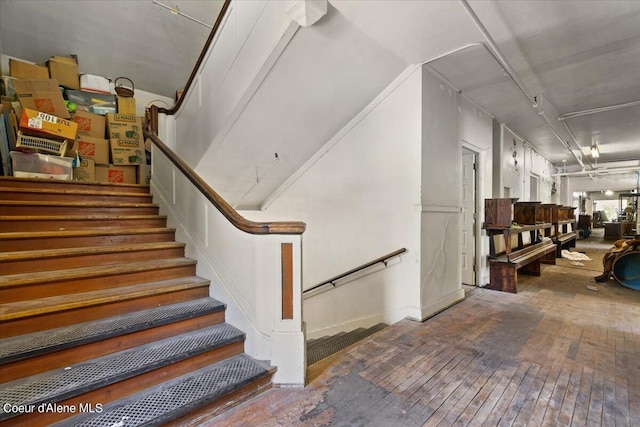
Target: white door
x=467, y=238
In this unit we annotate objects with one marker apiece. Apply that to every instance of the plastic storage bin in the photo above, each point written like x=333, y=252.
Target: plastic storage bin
x=27, y=165
x=41, y=144
x=97, y=103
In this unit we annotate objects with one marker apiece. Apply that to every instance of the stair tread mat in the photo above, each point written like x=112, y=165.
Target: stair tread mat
x=165, y=402
x=60, y=384
x=329, y=347
x=42, y=342
x=18, y=309
x=38, y=277
x=89, y=251
x=85, y=233
x=337, y=337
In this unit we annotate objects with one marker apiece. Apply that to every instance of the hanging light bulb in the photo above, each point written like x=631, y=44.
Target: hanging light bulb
x=595, y=151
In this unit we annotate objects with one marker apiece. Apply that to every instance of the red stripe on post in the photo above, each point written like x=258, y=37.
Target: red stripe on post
x=286, y=250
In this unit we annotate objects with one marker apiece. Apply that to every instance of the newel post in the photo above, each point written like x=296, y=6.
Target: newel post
x=288, y=349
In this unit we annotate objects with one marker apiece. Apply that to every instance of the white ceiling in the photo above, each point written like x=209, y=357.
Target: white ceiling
x=571, y=55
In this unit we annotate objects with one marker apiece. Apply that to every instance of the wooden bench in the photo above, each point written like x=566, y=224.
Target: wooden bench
x=503, y=267
x=503, y=270
x=565, y=241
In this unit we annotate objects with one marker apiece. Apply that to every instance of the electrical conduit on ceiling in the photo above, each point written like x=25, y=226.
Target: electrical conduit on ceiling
x=515, y=78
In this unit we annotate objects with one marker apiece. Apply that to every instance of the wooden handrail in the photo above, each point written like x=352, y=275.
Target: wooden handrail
x=252, y=227
x=203, y=54
x=382, y=259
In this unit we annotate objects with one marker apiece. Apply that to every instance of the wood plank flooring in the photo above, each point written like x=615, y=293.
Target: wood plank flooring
x=555, y=354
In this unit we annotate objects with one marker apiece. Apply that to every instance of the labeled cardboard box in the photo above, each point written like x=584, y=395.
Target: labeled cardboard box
x=113, y=173
x=126, y=105
x=124, y=126
x=86, y=171
x=127, y=151
x=90, y=124
x=93, y=148
x=41, y=95
x=24, y=70
x=65, y=70
x=47, y=125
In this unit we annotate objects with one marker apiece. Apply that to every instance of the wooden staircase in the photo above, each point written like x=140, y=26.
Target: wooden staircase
x=103, y=320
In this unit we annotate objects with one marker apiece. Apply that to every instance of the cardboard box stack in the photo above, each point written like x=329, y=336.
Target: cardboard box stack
x=93, y=129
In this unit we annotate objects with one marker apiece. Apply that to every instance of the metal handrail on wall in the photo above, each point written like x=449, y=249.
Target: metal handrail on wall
x=333, y=280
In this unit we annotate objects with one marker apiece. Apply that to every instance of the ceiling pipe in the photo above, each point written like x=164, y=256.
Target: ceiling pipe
x=600, y=171
x=176, y=11
x=575, y=141
x=571, y=115
x=532, y=100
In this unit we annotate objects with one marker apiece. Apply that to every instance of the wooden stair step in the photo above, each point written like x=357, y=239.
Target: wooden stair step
x=24, y=241
x=111, y=187
x=60, y=259
x=42, y=284
x=54, y=348
x=177, y=398
x=37, y=194
x=77, y=222
x=122, y=373
x=36, y=207
x=50, y=340
x=23, y=317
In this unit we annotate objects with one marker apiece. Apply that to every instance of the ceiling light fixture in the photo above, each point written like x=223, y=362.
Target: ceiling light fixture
x=176, y=11
x=595, y=151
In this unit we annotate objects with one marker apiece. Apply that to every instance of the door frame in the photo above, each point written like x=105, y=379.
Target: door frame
x=482, y=268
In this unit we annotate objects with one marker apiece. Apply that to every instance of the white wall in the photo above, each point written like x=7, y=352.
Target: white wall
x=226, y=75
x=441, y=198
x=360, y=199
x=517, y=176
x=390, y=179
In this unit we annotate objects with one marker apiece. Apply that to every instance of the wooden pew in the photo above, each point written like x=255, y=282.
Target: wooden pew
x=503, y=270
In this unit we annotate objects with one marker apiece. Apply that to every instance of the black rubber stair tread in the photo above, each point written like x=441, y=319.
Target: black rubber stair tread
x=324, y=348
x=43, y=342
x=163, y=403
x=60, y=384
x=336, y=338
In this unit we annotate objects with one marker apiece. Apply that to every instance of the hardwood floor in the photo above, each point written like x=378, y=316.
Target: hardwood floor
x=556, y=353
